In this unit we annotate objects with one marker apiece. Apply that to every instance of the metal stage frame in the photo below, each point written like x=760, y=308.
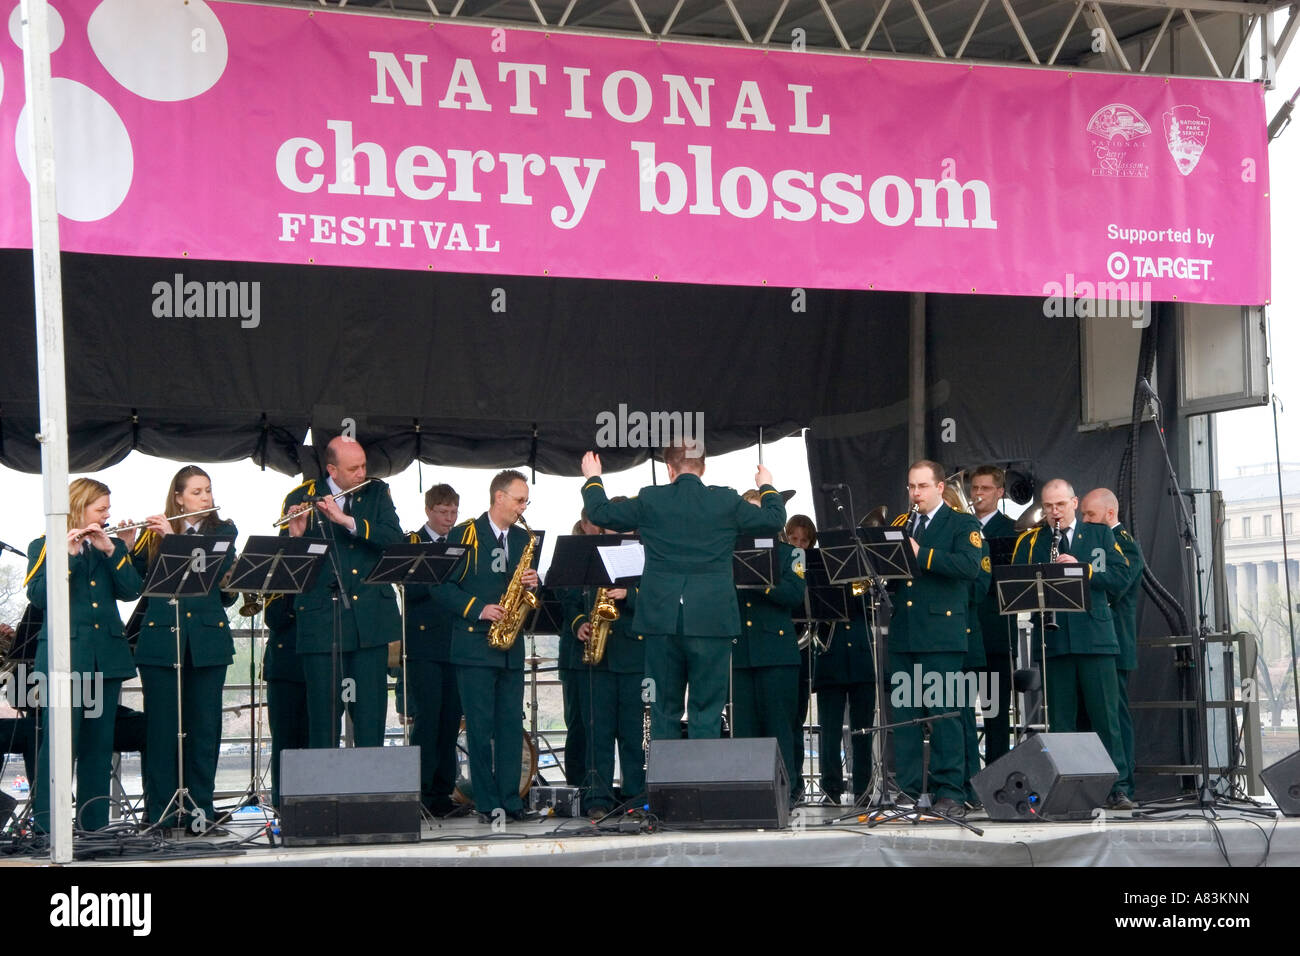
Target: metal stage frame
x=1177, y=37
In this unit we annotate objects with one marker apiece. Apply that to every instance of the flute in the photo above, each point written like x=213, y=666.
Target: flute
x=144, y=524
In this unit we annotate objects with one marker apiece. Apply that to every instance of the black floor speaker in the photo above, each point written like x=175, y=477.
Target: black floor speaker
x=356, y=795
x=1048, y=777
x=1283, y=782
x=711, y=784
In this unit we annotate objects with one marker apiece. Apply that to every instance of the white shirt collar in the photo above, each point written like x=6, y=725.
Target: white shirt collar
x=498, y=532
x=929, y=515
x=335, y=490
x=984, y=522
x=433, y=534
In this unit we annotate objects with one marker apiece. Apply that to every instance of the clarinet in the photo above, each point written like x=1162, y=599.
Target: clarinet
x=1049, y=617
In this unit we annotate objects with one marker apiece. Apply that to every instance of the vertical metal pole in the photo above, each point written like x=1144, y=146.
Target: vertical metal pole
x=54, y=419
x=916, y=411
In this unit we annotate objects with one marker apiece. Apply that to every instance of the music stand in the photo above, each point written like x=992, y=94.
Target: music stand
x=753, y=562
x=578, y=563
x=187, y=566
x=1039, y=588
x=425, y=562
x=823, y=603
x=269, y=564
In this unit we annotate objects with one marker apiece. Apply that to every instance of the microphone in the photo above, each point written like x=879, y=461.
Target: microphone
x=833, y=485
x=5, y=546
x=1146, y=387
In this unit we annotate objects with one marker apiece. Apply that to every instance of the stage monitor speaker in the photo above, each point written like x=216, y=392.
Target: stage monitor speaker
x=711, y=784
x=1283, y=782
x=1048, y=777
x=356, y=795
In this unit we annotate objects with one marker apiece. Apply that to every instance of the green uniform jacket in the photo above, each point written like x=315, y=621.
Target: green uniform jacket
x=1078, y=632
x=689, y=532
x=281, y=661
x=428, y=625
x=373, y=614
x=472, y=585
x=930, y=609
x=576, y=605
x=96, y=582
x=994, y=627
x=625, y=648
x=204, y=628
x=1124, y=605
x=768, y=637
x=848, y=660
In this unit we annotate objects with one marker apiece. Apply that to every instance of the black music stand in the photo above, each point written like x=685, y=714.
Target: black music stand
x=754, y=562
x=269, y=564
x=823, y=603
x=187, y=566
x=577, y=563
x=425, y=562
x=1039, y=588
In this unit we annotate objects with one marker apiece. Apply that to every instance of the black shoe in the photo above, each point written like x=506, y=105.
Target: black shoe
x=1119, y=801
x=950, y=808
x=484, y=818
x=523, y=816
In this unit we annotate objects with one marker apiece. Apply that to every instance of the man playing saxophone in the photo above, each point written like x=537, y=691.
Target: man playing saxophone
x=490, y=679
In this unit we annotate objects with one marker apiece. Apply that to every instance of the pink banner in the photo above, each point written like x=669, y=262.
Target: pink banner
x=241, y=132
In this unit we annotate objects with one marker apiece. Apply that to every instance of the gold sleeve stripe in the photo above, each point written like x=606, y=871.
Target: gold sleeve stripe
x=929, y=559
x=40, y=559
x=769, y=493
x=367, y=524
x=125, y=558
x=465, y=613
x=594, y=482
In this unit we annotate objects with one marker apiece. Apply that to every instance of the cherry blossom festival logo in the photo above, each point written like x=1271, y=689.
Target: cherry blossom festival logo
x=160, y=52
x=1186, y=131
x=1116, y=134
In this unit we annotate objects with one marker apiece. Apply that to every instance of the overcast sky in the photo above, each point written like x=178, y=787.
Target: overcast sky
x=252, y=498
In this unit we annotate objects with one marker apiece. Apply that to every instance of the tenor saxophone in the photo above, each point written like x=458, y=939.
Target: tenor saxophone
x=603, y=614
x=516, y=602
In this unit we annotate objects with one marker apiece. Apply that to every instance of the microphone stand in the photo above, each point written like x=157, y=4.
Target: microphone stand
x=1206, y=799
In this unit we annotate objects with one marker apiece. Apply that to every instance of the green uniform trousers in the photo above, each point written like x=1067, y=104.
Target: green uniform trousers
x=801, y=715
x=435, y=704
x=286, y=712
x=493, y=698
x=576, y=721
x=1125, y=783
x=92, y=752
x=947, y=740
x=359, y=684
x=1089, y=680
x=764, y=701
x=861, y=701
x=673, y=660
x=201, y=709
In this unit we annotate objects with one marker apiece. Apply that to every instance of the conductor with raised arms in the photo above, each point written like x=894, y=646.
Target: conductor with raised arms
x=687, y=606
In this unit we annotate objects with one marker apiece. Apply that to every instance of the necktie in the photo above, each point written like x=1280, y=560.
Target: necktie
x=921, y=522
x=190, y=531
x=347, y=504
x=501, y=540
x=1065, y=541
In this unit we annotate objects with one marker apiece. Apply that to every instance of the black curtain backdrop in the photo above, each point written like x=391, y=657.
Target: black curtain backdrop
x=491, y=371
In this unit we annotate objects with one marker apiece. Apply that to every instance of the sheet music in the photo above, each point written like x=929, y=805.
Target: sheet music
x=626, y=560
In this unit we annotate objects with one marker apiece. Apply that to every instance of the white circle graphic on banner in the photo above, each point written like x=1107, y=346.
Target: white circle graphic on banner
x=164, y=53
x=95, y=160
x=55, y=24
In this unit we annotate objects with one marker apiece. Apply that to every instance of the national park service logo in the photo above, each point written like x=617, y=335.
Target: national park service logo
x=1186, y=131
x=1116, y=133
x=976, y=540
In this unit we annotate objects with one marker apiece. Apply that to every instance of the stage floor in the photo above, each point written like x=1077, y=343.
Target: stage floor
x=1118, y=839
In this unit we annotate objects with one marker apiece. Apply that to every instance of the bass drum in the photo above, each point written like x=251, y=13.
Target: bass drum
x=464, y=792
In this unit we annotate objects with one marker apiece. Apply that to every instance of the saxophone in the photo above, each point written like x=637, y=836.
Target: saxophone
x=603, y=615
x=516, y=602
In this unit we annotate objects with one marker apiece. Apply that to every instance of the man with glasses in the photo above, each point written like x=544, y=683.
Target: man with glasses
x=928, y=639
x=430, y=675
x=490, y=681
x=1081, y=652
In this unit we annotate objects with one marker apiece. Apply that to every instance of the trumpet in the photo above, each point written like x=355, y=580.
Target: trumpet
x=144, y=524
x=298, y=510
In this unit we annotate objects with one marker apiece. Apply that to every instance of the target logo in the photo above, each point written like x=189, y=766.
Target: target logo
x=1117, y=265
